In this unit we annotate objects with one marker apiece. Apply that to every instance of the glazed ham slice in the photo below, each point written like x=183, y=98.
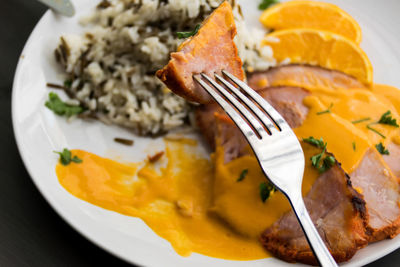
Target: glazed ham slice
x=338, y=213
x=309, y=77
x=393, y=159
x=216, y=126
x=380, y=189
x=211, y=50
x=376, y=204
x=288, y=101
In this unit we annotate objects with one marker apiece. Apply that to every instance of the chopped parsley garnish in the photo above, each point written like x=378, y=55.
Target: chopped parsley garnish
x=375, y=130
x=382, y=149
x=265, y=190
x=266, y=4
x=66, y=157
x=319, y=161
x=242, y=175
x=61, y=108
x=361, y=120
x=182, y=35
x=68, y=83
x=315, y=142
x=387, y=119
x=329, y=161
x=326, y=111
x=354, y=146
x=322, y=164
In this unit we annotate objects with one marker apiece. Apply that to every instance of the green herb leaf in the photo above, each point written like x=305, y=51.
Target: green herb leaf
x=382, y=149
x=375, y=130
x=76, y=159
x=182, y=35
x=61, y=108
x=326, y=111
x=266, y=4
x=242, y=175
x=68, y=83
x=318, y=161
x=265, y=190
x=315, y=142
x=329, y=161
x=66, y=157
x=387, y=119
x=354, y=146
x=361, y=120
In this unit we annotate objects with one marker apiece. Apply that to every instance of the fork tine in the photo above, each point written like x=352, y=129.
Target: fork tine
x=257, y=111
x=272, y=113
x=239, y=106
x=233, y=114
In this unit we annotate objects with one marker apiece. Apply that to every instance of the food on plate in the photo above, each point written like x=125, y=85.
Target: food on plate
x=338, y=213
x=219, y=129
x=305, y=76
x=223, y=206
x=110, y=68
x=322, y=48
x=62, y=108
x=364, y=164
x=66, y=157
x=380, y=189
x=209, y=51
x=172, y=196
x=312, y=15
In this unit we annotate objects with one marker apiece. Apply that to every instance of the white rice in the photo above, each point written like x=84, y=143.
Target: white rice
x=111, y=68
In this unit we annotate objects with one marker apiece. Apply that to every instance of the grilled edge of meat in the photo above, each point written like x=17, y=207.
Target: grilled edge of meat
x=339, y=214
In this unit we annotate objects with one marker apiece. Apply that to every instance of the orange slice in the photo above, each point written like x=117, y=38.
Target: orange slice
x=313, y=15
x=321, y=48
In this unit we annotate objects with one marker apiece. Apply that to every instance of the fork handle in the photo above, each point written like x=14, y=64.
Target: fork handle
x=315, y=241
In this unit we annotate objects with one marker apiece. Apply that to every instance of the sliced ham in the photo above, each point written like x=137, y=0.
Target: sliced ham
x=337, y=211
x=214, y=123
x=380, y=189
x=376, y=201
x=393, y=159
x=219, y=129
x=211, y=50
x=288, y=101
x=347, y=225
x=308, y=77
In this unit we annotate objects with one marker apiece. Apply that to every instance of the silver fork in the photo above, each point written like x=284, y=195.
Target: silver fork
x=275, y=145
x=64, y=7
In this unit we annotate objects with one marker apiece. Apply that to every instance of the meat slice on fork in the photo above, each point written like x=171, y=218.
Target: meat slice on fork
x=211, y=50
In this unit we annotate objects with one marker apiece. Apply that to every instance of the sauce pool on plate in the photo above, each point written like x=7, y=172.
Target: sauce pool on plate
x=201, y=205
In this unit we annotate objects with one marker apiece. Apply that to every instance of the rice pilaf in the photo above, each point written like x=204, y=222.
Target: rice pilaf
x=111, y=67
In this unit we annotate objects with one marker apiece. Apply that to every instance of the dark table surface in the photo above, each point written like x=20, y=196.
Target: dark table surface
x=31, y=233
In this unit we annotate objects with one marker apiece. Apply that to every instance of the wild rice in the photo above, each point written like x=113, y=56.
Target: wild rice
x=111, y=67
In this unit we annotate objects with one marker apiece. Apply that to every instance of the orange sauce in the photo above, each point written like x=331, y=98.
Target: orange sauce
x=173, y=200
x=347, y=140
x=198, y=205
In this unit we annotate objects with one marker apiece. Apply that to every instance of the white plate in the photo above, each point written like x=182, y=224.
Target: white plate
x=38, y=132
